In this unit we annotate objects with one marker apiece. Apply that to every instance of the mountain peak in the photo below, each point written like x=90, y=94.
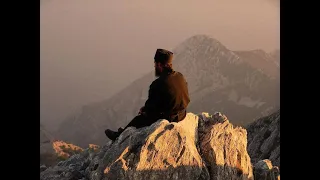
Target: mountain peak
x=199, y=41
x=258, y=51
x=202, y=37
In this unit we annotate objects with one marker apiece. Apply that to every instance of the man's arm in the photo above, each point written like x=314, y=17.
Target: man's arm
x=151, y=105
x=142, y=110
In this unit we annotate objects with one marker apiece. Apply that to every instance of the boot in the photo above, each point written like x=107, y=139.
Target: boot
x=112, y=135
x=120, y=130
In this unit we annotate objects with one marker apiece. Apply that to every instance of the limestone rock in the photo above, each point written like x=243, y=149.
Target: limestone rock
x=162, y=151
x=43, y=167
x=264, y=139
x=264, y=170
x=224, y=149
x=199, y=147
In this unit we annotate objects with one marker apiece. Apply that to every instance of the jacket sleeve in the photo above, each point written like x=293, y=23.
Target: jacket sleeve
x=152, y=104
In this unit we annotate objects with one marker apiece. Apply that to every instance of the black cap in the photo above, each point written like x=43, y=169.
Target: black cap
x=163, y=56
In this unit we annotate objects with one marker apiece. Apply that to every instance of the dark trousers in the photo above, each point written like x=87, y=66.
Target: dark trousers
x=143, y=121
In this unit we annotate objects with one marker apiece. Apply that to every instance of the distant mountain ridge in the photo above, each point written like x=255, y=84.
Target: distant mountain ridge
x=259, y=59
x=219, y=80
x=45, y=135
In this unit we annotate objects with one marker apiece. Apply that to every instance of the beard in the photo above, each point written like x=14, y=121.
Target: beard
x=157, y=73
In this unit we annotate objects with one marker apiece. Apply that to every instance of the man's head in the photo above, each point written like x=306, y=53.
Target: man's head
x=162, y=61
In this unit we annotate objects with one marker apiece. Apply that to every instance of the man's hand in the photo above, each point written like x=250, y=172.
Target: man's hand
x=142, y=111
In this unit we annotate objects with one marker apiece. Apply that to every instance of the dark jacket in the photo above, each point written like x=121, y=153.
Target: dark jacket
x=168, y=97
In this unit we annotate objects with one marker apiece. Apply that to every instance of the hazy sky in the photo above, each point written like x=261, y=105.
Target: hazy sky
x=90, y=49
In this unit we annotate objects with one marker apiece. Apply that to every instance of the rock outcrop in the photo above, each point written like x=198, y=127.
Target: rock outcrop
x=52, y=151
x=65, y=150
x=199, y=147
x=225, y=149
x=264, y=139
x=264, y=170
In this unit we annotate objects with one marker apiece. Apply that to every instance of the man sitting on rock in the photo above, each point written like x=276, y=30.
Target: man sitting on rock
x=168, y=96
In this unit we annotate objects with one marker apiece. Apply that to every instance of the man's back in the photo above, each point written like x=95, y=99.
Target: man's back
x=168, y=95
